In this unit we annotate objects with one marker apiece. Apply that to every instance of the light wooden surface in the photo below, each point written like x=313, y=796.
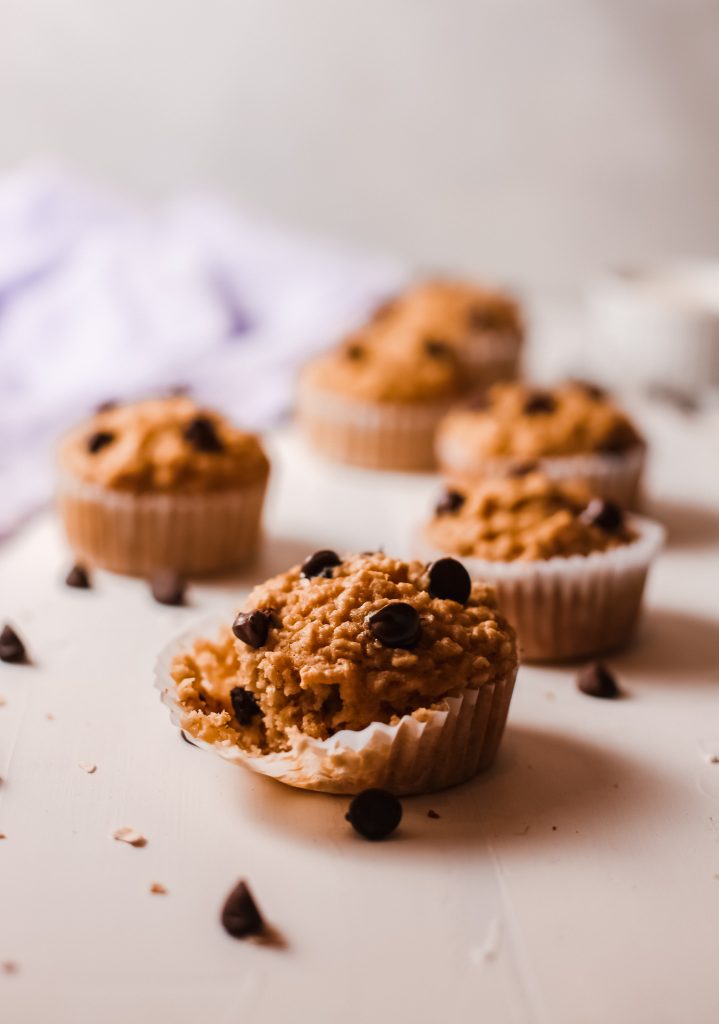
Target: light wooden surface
x=576, y=883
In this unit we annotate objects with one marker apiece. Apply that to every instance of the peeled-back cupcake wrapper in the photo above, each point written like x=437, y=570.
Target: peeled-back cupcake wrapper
x=141, y=533
x=572, y=607
x=613, y=477
x=378, y=435
x=424, y=752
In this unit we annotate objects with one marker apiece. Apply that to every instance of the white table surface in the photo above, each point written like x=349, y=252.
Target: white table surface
x=576, y=882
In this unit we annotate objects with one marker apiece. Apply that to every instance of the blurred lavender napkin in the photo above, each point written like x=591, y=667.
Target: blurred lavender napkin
x=100, y=298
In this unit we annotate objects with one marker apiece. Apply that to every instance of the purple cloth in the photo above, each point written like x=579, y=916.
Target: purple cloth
x=100, y=298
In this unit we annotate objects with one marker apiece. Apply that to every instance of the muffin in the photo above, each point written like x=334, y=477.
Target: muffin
x=343, y=674
x=161, y=484
x=569, y=568
x=571, y=432
x=484, y=325
x=376, y=400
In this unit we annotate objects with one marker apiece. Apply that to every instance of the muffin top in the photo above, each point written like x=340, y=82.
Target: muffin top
x=525, y=518
x=402, y=365
x=453, y=310
x=338, y=644
x=518, y=421
x=162, y=445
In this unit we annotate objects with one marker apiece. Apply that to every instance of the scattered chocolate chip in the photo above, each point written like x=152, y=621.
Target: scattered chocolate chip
x=168, y=587
x=99, y=440
x=597, y=681
x=186, y=738
x=432, y=814
x=355, y=352
x=605, y=514
x=436, y=348
x=12, y=649
x=243, y=704
x=538, y=403
x=449, y=581
x=202, y=434
x=240, y=916
x=106, y=406
x=374, y=813
x=397, y=624
x=252, y=628
x=451, y=501
x=522, y=469
x=319, y=562
x=78, y=577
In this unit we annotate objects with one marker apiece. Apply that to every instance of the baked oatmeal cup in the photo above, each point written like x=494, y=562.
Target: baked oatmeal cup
x=569, y=568
x=161, y=484
x=347, y=674
x=572, y=431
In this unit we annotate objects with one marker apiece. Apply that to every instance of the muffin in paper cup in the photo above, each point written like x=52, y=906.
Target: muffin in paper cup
x=161, y=484
x=569, y=576
x=571, y=432
x=440, y=744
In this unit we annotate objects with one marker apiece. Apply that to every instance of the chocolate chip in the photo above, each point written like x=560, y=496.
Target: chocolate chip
x=12, y=649
x=437, y=349
x=99, y=440
x=355, y=352
x=252, y=628
x=449, y=581
x=243, y=704
x=318, y=563
x=168, y=587
x=538, y=403
x=78, y=577
x=433, y=814
x=451, y=501
x=605, y=514
x=201, y=433
x=374, y=813
x=522, y=469
x=597, y=681
x=397, y=624
x=240, y=916
x=615, y=444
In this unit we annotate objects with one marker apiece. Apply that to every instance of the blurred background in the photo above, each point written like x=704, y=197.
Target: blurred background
x=533, y=140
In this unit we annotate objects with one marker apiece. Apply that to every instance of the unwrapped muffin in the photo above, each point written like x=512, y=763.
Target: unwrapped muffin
x=572, y=432
x=569, y=568
x=161, y=484
x=347, y=673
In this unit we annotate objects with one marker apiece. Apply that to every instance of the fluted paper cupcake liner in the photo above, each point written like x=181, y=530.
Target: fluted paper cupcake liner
x=613, y=477
x=376, y=435
x=565, y=608
x=142, y=533
x=430, y=750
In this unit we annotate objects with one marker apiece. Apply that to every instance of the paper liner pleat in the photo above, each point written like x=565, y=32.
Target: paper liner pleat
x=421, y=753
x=139, y=534
x=565, y=608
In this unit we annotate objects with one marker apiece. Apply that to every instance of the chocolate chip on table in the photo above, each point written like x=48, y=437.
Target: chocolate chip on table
x=243, y=704
x=318, y=563
x=607, y=515
x=78, y=577
x=99, y=440
x=436, y=348
x=168, y=587
x=374, y=813
x=12, y=649
x=397, y=624
x=597, y=681
x=451, y=501
x=538, y=403
x=252, y=628
x=202, y=435
x=240, y=916
x=449, y=581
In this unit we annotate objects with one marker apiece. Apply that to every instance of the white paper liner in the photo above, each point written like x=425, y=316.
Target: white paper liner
x=430, y=750
x=377, y=435
x=565, y=608
x=613, y=477
x=141, y=533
